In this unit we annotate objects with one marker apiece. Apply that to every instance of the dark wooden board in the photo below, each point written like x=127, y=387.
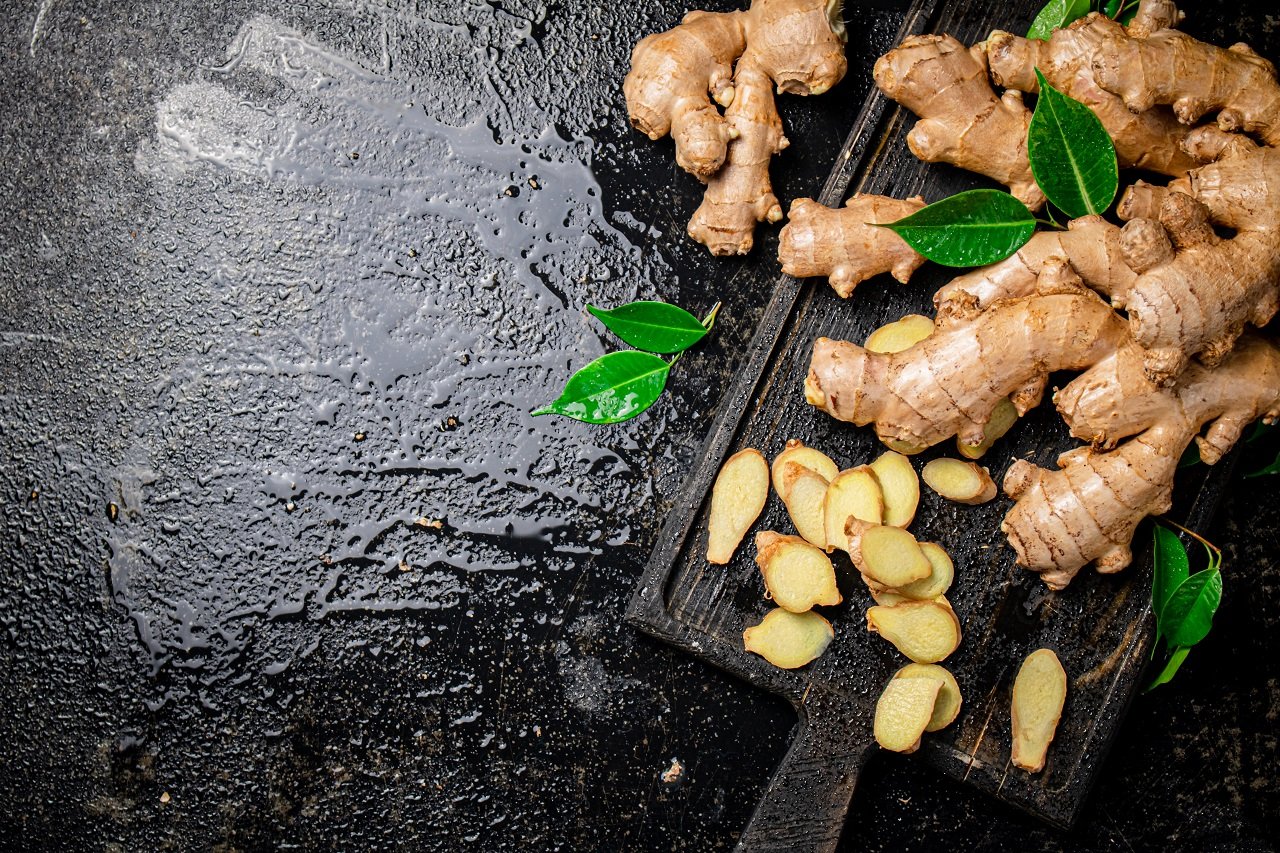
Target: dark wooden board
x=1100, y=626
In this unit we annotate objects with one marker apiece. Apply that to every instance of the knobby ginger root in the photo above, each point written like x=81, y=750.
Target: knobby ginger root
x=844, y=244
x=962, y=121
x=737, y=498
x=951, y=382
x=1039, y=692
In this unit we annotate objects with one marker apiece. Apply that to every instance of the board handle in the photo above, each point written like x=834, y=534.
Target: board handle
x=804, y=807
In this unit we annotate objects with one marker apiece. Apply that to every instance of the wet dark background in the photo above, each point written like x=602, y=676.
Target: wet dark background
x=283, y=560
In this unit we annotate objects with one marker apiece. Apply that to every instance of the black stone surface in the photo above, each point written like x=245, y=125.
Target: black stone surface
x=278, y=284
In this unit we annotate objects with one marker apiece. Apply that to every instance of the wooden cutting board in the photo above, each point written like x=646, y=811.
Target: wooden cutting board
x=1100, y=627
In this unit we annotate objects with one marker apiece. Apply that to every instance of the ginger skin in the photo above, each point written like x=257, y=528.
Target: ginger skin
x=951, y=382
x=844, y=245
x=962, y=121
x=1087, y=511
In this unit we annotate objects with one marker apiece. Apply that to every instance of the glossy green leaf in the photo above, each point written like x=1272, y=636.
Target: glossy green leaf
x=1072, y=156
x=1172, y=567
x=1273, y=468
x=1170, y=668
x=613, y=388
x=1261, y=429
x=970, y=229
x=1187, y=615
x=652, y=326
x=1057, y=14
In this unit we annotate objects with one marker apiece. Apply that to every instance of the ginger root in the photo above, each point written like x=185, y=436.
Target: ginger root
x=844, y=243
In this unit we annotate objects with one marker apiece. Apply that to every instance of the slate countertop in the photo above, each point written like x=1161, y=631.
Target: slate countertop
x=283, y=560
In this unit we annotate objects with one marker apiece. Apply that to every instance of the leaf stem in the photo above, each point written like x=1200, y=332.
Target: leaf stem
x=1214, y=551
x=1049, y=223
x=708, y=322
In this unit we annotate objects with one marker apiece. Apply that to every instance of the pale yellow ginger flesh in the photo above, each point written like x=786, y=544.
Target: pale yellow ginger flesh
x=1039, y=692
x=937, y=582
x=844, y=245
x=951, y=383
x=737, y=498
x=854, y=493
x=789, y=640
x=814, y=460
x=888, y=556
x=804, y=494
x=796, y=574
x=962, y=120
x=899, y=487
x=947, y=706
x=924, y=631
x=1003, y=417
x=888, y=598
x=904, y=711
x=1087, y=511
x=900, y=334
x=962, y=482
x=738, y=58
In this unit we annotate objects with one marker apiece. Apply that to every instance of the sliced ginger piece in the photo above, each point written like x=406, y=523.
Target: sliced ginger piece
x=899, y=487
x=1039, y=692
x=947, y=706
x=906, y=448
x=815, y=460
x=1003, y=417
x=942, y=573
x=900, y=334
x=888, y=556
x=737, y=498
x=904, y=711
x=854, y=493
x=804, y=493
x=962, y=482
x=797, y=574
x=887, y=597
x=924, y=631
x=789, y=640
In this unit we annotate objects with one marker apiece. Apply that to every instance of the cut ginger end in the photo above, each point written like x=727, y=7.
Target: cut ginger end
x=899, y=486
x=789, y=640
x=737, y=498
x=1039, y=692
x=904, y=710
x=962, y=482
x=853, y=494
x=1002, y=420
x=900, y=334
x=804, y=493
x=797, y=574
x=796, y=452
x=924, y=631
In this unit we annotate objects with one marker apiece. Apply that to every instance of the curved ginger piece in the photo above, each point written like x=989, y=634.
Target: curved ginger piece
x=1195, y=78
x=1087, y=511
x=1147, y=140
x=844, y=243
x=951, y=382
x=1091, y=244
x=671, y=74
x=962, y=122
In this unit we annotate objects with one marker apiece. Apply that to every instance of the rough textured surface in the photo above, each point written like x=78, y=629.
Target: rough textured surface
x=274, y=356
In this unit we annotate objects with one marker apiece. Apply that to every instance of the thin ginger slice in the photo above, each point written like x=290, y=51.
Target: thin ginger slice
x=900, y=334
x=924, y=631
x=947, y=706
x=962, y=482
x=804, y=493
x=789, y=640
x=904, y=711
x=888, y=556
x=1039, y=692
x=1003, y=417
x=899, y=486
x=942, y=572
x=854, y=493
x=737, y=498
x=796, y=574
x=815, y=460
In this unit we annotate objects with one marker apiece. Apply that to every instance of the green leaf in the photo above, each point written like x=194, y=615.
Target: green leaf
x=1057, y=14
x=970, y=229
x=1190, y=456
x=1187, y=615
x=613, y=388
x=1072, y=156
x=652, y=326
x=1273, y=468
x=1172, y=567
x=1170, y=668
x=1260, y=429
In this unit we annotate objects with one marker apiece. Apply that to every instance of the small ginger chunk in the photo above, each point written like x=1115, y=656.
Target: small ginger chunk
x=942, y=572
x=854, y=493
x=1039, y=692
x=962, y=482
x=899, y=486
x=924, y=631
x=804, y=493
x=797, y=574
x=789, y=640
x=737, y=498
x=947, y=706
x=797, y=452
x=888, y=556
x=904, y=710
